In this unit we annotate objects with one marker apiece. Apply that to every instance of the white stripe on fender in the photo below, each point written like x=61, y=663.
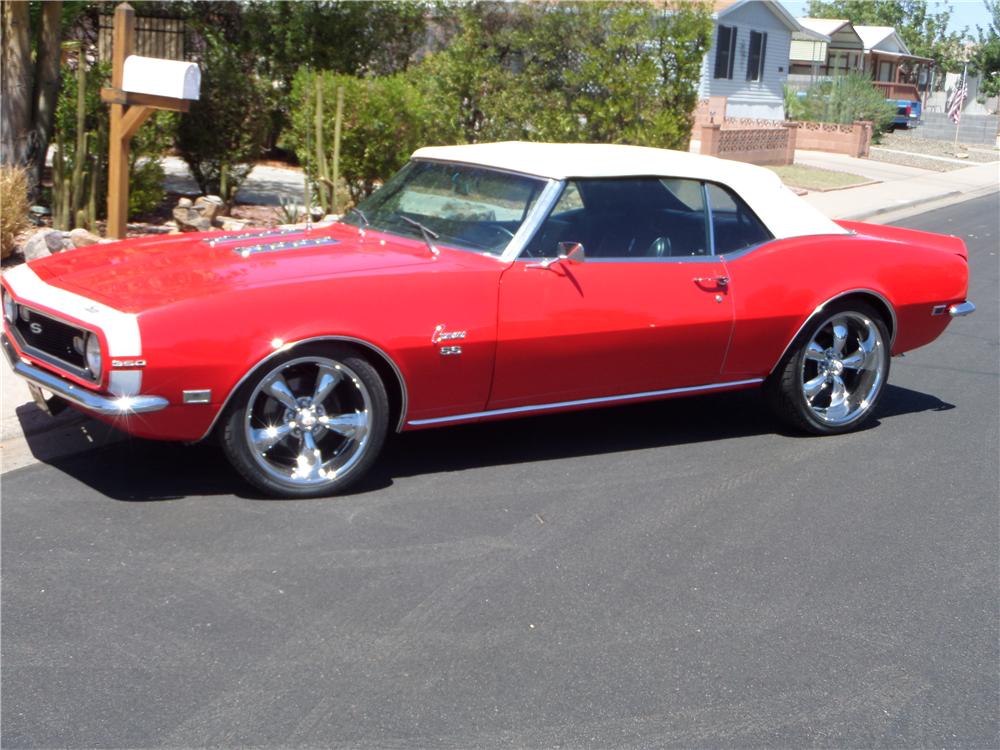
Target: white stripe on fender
x=120, y=329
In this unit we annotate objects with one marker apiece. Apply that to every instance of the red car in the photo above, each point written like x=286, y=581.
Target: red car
x=483, y=282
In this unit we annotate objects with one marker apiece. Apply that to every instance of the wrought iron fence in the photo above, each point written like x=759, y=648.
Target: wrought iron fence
x=154, y=37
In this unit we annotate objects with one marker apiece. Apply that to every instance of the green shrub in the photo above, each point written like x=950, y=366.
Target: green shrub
x=385, y=119
x=224, y=131
x=13, y=207
x=621, y=72
x=843, y=99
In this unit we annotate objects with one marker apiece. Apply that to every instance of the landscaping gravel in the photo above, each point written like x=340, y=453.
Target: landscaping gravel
x=917, y=150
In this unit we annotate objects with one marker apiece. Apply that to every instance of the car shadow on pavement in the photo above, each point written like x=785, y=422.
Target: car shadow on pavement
x=143, y=470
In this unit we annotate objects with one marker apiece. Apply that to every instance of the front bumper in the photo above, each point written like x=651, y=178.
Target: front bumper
x=961, y=310
x=74, y=394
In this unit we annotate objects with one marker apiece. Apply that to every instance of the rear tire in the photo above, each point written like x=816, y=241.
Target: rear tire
x=308, y=424
x=833, y=375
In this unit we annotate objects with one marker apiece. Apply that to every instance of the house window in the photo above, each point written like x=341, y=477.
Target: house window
x=725, y=52
x=755, y=59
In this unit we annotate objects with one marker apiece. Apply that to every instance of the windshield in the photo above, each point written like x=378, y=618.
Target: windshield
x=466, y=207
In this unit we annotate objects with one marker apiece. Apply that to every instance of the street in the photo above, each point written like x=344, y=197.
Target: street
x=682, y=574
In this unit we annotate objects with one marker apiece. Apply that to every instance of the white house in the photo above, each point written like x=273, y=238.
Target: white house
x=748, y=60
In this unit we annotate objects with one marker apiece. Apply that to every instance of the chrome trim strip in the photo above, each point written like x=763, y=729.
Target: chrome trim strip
x=584, y=402
x=94, y=402
x=819, y=308
x=666, y=259
x=533, y=221
x=404, y=401
x=708, y=217
x=962, y=309
x=246, y=251
x=225, y=239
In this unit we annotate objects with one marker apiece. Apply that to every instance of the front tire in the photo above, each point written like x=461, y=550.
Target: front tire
x=831, y=380
x=308, y=424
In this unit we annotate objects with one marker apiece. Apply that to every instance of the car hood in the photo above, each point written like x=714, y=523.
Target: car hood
x=137, y=275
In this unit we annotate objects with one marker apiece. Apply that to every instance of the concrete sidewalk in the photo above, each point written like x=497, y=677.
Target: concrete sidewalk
x=27, y=435
x=911, y=190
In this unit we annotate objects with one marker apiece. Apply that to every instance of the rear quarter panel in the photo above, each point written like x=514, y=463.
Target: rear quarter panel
x=777, y=287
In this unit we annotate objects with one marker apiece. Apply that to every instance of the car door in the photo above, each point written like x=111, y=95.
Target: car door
x=649, y=308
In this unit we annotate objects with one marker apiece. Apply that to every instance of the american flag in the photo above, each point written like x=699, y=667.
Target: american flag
x=958, y=95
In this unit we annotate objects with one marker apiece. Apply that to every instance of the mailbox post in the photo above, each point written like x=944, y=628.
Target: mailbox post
x=139, y=85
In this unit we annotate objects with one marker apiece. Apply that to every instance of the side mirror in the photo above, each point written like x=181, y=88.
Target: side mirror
x=572, y=252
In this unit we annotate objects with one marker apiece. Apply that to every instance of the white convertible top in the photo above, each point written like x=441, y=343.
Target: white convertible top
x=784, y=213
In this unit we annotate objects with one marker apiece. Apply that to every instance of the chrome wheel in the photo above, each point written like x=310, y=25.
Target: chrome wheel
x=843, y=368
x=308, y=422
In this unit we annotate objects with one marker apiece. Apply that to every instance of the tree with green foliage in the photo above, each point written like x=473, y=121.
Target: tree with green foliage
x=29, y=76
x=273, y=39
x=223, y=133
x=986, y=55
x=386, y=118
x=593, y=72
x=844, y=99
x=924, y=32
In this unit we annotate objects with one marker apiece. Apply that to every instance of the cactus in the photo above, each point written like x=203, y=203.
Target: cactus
x=322, y=174
x=81, y=134
x=75, y=173
x=91, y=216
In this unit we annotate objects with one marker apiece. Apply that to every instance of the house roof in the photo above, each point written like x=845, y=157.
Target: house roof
x=783, y=212
x=872, y=36
x=722, y=8
x=827, y=26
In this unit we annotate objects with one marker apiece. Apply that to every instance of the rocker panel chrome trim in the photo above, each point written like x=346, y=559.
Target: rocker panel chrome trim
x=584, y=402
x=819, y=308
x=404, y=397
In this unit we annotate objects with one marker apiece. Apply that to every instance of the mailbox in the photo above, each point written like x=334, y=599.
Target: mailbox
x=171, y=78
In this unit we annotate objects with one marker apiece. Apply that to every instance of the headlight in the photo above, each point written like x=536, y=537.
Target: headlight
x=9, y=308
x=93, y=354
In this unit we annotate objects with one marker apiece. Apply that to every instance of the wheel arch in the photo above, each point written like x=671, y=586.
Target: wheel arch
x=868, y=296
x=388, y=370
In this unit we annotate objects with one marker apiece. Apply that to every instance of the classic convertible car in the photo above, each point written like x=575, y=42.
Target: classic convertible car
x=483, y=282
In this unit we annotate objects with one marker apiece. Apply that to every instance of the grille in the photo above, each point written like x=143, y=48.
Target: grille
x=50, y=339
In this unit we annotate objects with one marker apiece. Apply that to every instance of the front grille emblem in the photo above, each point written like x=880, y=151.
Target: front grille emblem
x=36, y=328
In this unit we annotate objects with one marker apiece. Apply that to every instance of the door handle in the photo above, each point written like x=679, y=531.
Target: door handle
x=717, y=280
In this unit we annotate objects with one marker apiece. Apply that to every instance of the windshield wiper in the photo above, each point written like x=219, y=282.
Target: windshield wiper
x=426, y=233
x=360, y=213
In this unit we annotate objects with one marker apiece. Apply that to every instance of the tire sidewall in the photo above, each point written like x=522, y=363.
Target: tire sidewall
x=797, y=361
x=240, y=454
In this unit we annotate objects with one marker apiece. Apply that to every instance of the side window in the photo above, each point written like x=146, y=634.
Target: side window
x=630, y=218
x=725, y=52
x=755, y=57
x=565, y=223
x=734, y=225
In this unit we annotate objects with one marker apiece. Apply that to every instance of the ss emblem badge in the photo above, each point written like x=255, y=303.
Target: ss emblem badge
x=36, y=328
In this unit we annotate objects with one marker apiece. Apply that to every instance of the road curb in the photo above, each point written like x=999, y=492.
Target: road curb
x=903, y=210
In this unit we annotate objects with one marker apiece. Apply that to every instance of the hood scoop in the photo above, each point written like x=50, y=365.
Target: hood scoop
x=227, y=239
x=246, y=251
x=271, y=247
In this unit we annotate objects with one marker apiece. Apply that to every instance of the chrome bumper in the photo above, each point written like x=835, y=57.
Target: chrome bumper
x=961, y=310
x=74, y=394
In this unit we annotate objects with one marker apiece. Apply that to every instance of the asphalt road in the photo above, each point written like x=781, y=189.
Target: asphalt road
x=681, y=574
